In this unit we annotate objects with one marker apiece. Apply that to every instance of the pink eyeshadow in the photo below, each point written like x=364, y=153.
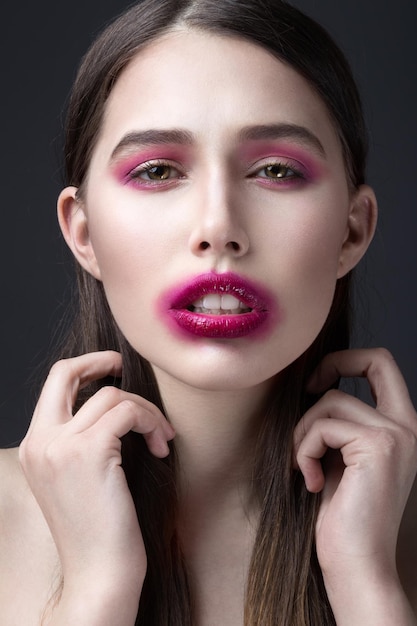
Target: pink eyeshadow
x=263, y=149
x=125, y=164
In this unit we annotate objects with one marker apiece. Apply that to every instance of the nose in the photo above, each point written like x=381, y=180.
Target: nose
x=219, y=228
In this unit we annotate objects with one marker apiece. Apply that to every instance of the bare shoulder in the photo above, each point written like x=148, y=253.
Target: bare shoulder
x=13, y=486
x=28, y=558
x=407, y=548
x=9, y=459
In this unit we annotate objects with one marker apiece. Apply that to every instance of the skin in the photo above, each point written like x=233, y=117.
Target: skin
x=219, y=212
x=294, y=227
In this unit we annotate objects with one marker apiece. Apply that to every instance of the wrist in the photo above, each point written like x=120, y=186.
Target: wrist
x=105, y=567
x=99, y=602
x=371, y=596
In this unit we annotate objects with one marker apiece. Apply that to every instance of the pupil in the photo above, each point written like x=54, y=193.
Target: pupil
x=276, y=171
x=159, y=172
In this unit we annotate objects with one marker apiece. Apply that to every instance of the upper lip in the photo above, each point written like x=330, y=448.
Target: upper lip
x=245, y=290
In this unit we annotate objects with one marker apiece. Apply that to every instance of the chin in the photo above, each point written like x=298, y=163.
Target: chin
x=220, y=376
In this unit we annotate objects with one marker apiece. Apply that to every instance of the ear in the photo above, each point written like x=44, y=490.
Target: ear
x=73, y=221
x=360, y=228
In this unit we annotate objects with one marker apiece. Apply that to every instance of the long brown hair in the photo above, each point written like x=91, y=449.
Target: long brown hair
x=284, y=586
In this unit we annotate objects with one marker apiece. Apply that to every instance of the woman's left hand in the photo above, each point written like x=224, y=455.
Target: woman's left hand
x=363, y=460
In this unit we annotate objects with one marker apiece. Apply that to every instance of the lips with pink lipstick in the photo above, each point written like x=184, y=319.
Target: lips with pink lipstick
x=224, y=306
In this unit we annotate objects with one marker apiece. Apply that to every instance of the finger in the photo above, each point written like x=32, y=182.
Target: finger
x=353, y=440
x=65, y=379
x=378, y=366
x=338, y=405
x=108, y=398
x=129, y=415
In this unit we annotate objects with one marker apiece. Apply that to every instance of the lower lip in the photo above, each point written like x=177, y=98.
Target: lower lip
x=218, y=326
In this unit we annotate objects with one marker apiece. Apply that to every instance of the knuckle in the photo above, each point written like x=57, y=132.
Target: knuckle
x=382, y=361
x=383, y=355
x=35, y=454
x=109, y=393
x=59, y=454
x=333, y=396
x=60, y=368
x=29, y=450
x=53, y=454
x=129, y=407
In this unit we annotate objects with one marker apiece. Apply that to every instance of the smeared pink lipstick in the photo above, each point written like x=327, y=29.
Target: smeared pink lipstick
x=257, y=306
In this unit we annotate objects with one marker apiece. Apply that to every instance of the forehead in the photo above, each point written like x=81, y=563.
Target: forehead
x=211, y=85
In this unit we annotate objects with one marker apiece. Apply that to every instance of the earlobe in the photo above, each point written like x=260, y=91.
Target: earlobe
x=74, y=226
x=360, y=230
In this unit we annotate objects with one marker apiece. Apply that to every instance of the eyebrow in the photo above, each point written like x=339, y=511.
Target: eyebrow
x=299, y=134
x=153, y=137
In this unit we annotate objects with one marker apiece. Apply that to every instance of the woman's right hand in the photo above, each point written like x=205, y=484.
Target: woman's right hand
x=73, y=466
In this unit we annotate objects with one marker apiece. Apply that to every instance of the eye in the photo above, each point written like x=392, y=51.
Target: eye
x=154, y=172
x=278, y=171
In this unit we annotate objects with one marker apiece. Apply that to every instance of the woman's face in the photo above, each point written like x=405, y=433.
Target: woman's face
x=218, y=211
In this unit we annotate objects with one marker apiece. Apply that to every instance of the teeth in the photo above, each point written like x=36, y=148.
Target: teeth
x=216, y=303
x=220, y=301
x=212, y=301
x=229, y=302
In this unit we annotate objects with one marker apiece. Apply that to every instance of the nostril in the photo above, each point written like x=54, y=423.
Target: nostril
x=231, y=245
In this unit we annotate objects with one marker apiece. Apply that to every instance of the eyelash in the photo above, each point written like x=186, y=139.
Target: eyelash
x=145, y=168
x=293, y=174
x=296, y=173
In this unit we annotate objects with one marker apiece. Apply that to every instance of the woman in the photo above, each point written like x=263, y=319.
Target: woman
x=216, y=205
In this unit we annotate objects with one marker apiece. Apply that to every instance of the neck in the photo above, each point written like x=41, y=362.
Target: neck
x=215, y=437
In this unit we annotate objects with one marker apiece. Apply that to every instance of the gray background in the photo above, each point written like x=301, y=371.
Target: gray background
x=40, y=49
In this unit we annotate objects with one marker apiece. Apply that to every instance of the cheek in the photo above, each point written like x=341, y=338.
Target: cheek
x=305, y=246
x=315, y=276
x=304, y=258
x=127, y=254
x=128, y=245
